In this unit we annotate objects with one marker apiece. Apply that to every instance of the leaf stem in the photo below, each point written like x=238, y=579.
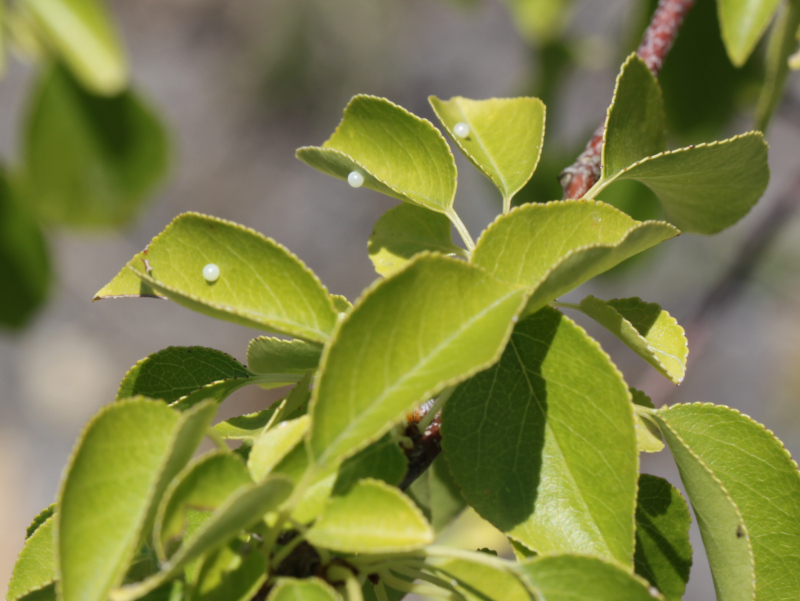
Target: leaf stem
x=411, y=587
x=462, y=230
x=561, y=305
x=437, y=406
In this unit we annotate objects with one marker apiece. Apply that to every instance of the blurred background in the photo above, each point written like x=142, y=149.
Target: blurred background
x=224, y=94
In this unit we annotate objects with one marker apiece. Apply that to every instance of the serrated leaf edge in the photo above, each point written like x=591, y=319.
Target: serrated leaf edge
x=410, y=505
x=49, y=582
x=358, y=97
x=428, y=393
x=631, y=58
x=674, y=322
x=618, y=373
x=225, y=308
x=158, y=522
x=502, y=185
x=602, y=184
x=661, y=421
x=71, y=462
x=607, y=561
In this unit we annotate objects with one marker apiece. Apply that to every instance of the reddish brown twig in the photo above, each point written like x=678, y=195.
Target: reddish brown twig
x=578, y=178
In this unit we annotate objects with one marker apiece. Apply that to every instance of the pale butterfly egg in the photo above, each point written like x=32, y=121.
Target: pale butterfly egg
x=461, y=129
x=355, y=179
x=211, y=273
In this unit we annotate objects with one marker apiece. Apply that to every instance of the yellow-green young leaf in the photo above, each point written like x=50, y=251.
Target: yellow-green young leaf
x=636, y=124
x=708, y=187
x=266, y=355
x=307, y=589
x=552, y=248
x=743, y=22
x=185, y=375
x=247, y=427
x=90, y=161
x=85, y=37
x=126, y=284
x=123, y=462
x=663, y=552
x=274, y=444
x=405, y=231
x=24, y=258
x=543, y=443
x=576, y=578
x=235, y=572
x=430, y=325
x=341, y=303
x=193, y=495
x=36, y=566
x=648, y=435
x=782, y=42
x=40, y=519
x=649, y=331
x=752, y=534
x=397, y=154
x=477, y=581
x=242, y=509
x=260, y=285
x=504, y=137
x=372, y=517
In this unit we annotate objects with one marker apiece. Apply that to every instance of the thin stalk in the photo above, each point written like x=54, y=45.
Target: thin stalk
x=462, y=230
x=560, y=305
x=380, y=591
x=411, y=587
x=437, y=406
x=287, y=550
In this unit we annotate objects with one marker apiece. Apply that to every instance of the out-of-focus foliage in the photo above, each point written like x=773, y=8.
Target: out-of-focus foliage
x=92, y=149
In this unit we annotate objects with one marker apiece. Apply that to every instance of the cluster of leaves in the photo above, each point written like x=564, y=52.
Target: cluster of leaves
x=541, y=435
x=92, y=148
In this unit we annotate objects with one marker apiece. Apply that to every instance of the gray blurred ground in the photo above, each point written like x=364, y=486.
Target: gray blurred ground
x=206, y=65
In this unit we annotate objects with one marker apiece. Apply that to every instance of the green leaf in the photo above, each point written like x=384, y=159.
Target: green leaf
x=341, y=303
x=307, y=589
x=266, y=355
x=405, y=231
x=123, y=462
x=430, y=325
x=437, y=494
x=90, y=161
x=576, y=578
x=242, y=509
x=235, y=572
x=36, y=567
x=552, y=248
x=743, y=22
x=40, y=519
x=382, y=460
x=262, y=285
x=85, y=37
x=648, y=435
x=126, y=284
x=372, y=517
x=636, y=124
x=745, y=490
x=247, y=427
x=649, y=331
x=704, y=188
x=274, y=444
x=398, y=154
x=47, y=593
x=193, y=495
x=543, y=443
x=505, y=137
x=663, y=552
x=24, y=259
x=782, y=43
x=184, y=375
x=479, y=581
